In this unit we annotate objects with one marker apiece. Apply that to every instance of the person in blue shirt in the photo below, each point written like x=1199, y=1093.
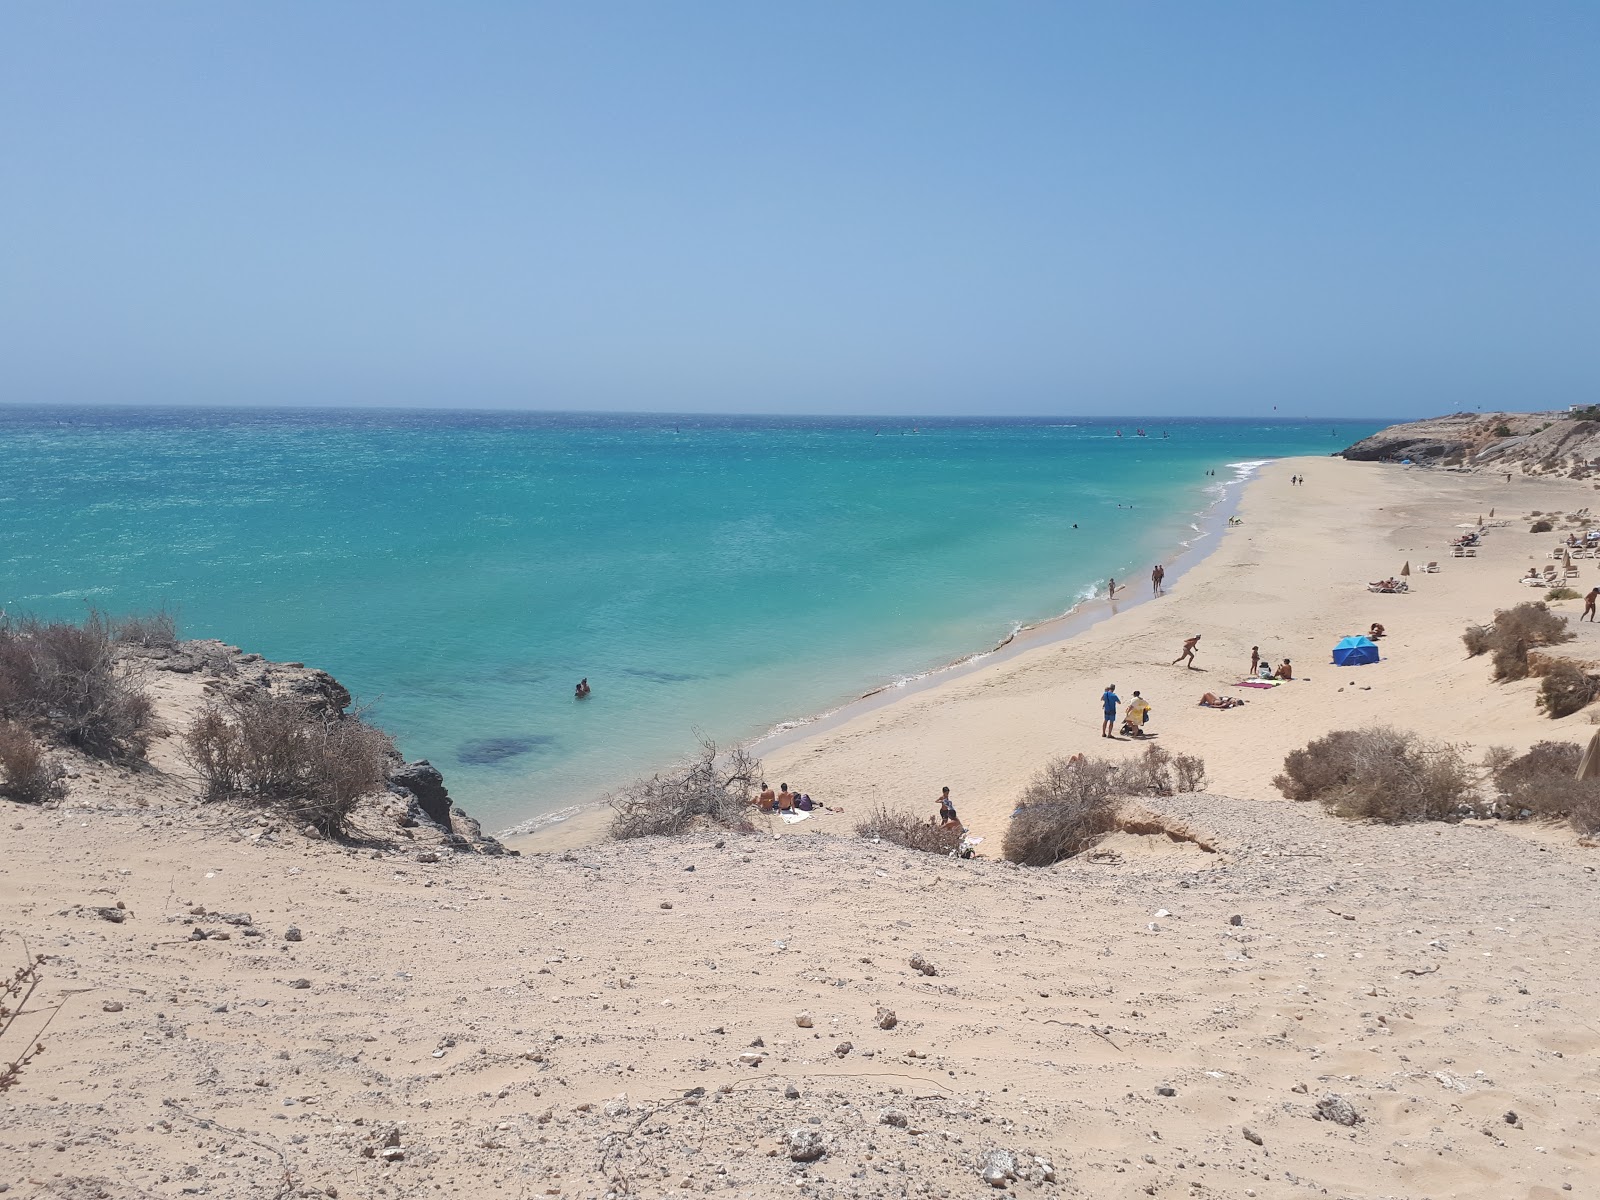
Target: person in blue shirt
x=1110, y=701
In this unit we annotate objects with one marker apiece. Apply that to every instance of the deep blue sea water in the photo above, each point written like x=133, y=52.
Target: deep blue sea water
x=461, y=570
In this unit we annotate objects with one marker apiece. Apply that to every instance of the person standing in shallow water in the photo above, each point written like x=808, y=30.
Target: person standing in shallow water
x=582, y=690
x=1157, y=578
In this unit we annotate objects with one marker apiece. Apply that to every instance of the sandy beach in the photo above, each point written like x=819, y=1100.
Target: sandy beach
x=1290, y=1005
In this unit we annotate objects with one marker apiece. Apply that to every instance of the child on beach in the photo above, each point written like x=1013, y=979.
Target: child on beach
x=1255, y=659
x=947, y=807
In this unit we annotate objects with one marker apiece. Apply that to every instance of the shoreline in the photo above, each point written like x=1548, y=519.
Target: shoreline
x=582, y=823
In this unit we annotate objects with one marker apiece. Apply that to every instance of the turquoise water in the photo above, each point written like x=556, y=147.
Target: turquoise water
x=461, y=571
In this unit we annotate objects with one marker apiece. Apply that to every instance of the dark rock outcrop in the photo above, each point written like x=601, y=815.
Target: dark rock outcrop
x=426, y=785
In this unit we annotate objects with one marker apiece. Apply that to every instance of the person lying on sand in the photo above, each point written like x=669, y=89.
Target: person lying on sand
x=1285, y=671
x=1375, y=632
x=1212, y=700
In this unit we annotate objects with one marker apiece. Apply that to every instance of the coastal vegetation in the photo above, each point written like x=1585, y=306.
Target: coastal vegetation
x=310, y=766
x=1072, y=803
x=902, y=828
x=709, y=790
x=1543, y=782
x=67, y=682
x=28, y=772
x=1380, y=774
x=1512, y=634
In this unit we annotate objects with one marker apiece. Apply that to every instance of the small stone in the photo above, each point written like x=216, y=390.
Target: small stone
x=1165, y=1090
x=803, y=1020
x=694, y=1093
x=1337, y=1109
x=427, y=856
x=1510, y=1118
x=300, y=984
x=666, y=904
x=887, y=1019
x=997, y=1168
x=1250, y=1135
x=759, y=1044
x=111, y=1006
x=805, y=1145
x=1301, y=1088
x=292, y=934
x=197, y=935
x=844, y=1048
x=892, y=1116
x=393, y=1138
x=221, y=935
x=918, y=963
x=1236, y=919
x=617, y=1106
x=790, y=1092
x=751, y=1058
x=393, y=1154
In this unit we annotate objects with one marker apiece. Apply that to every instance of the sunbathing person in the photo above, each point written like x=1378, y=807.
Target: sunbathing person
x=1285, y=671
x=785, y=800
x=767, y=799
x=1375, y=632
x=1212, y=700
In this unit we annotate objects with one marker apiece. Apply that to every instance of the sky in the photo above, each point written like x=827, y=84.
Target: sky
x=1362, y=209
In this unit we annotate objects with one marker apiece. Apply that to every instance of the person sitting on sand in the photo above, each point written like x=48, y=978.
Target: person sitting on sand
x=1375, y=632
x=1265, y=670
x=1212, y=700
x=1285, y=671
x=766, y=799
x=582, y=690
x=785, y=801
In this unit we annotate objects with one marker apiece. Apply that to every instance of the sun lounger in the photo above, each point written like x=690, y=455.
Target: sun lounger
x=1472, y=552
x=1432, y=568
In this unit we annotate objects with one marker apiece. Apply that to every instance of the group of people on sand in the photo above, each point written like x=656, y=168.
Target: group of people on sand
x=783, y=800
x=1134, y=717
x=1262, y=668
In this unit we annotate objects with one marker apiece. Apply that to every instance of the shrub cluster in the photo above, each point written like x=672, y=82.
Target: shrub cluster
x=1540, y=526
x=1381, y=774
x=1516, y=631
x=275, y=752
x=67, y=681
x=27, y=772
x=1562, y=593
x=709, y=790
x=1073, y=803
x=906, y=829
x=1564, y=687
x=1544, y=781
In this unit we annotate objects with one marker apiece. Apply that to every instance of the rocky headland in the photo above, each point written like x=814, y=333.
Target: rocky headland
x=1539, y=443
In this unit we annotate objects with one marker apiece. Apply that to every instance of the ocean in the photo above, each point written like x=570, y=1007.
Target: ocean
x=710, y=576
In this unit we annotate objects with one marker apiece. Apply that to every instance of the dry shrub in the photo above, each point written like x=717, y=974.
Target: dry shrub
x=1562, y=593
x=27, y=773
x=703, y=792
x=1516, y=631
x=1381, y=774
x=14, y=996
x=1544, y=781
x=154, y=631
x=1069, y=806
x=275, y=752
x=1159, y=773
x=1540, y=527
x=906, y=829
x=67, y=681
x=1564, y=687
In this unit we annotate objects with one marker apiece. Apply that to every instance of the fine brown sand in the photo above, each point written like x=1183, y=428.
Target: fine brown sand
x=546, y=1025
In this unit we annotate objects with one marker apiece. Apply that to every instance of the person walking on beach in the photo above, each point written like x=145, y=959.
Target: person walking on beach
x=1588, y=604
x=1109, y=701
x=1157, y=576
x=1111, y=589
x=1188, y=652
x=1255, y=660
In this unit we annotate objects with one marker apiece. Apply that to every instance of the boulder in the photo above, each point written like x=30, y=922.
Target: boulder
x=424, y=782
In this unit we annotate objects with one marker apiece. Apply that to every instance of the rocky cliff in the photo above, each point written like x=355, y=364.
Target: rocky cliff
x=1541, y=443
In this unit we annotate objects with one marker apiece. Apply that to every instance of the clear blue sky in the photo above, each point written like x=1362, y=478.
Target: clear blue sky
x=1365, y=209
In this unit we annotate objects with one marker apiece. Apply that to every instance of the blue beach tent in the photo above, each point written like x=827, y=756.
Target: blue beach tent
x=1355, y=652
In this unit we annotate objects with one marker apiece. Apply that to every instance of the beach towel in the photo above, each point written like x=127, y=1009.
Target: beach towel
x=1260, y=683
x=792, y=818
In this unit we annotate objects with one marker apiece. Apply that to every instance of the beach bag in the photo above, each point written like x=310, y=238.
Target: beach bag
x=803, y=804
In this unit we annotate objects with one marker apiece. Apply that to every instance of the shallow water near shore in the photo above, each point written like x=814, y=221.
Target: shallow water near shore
x=460, y=571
